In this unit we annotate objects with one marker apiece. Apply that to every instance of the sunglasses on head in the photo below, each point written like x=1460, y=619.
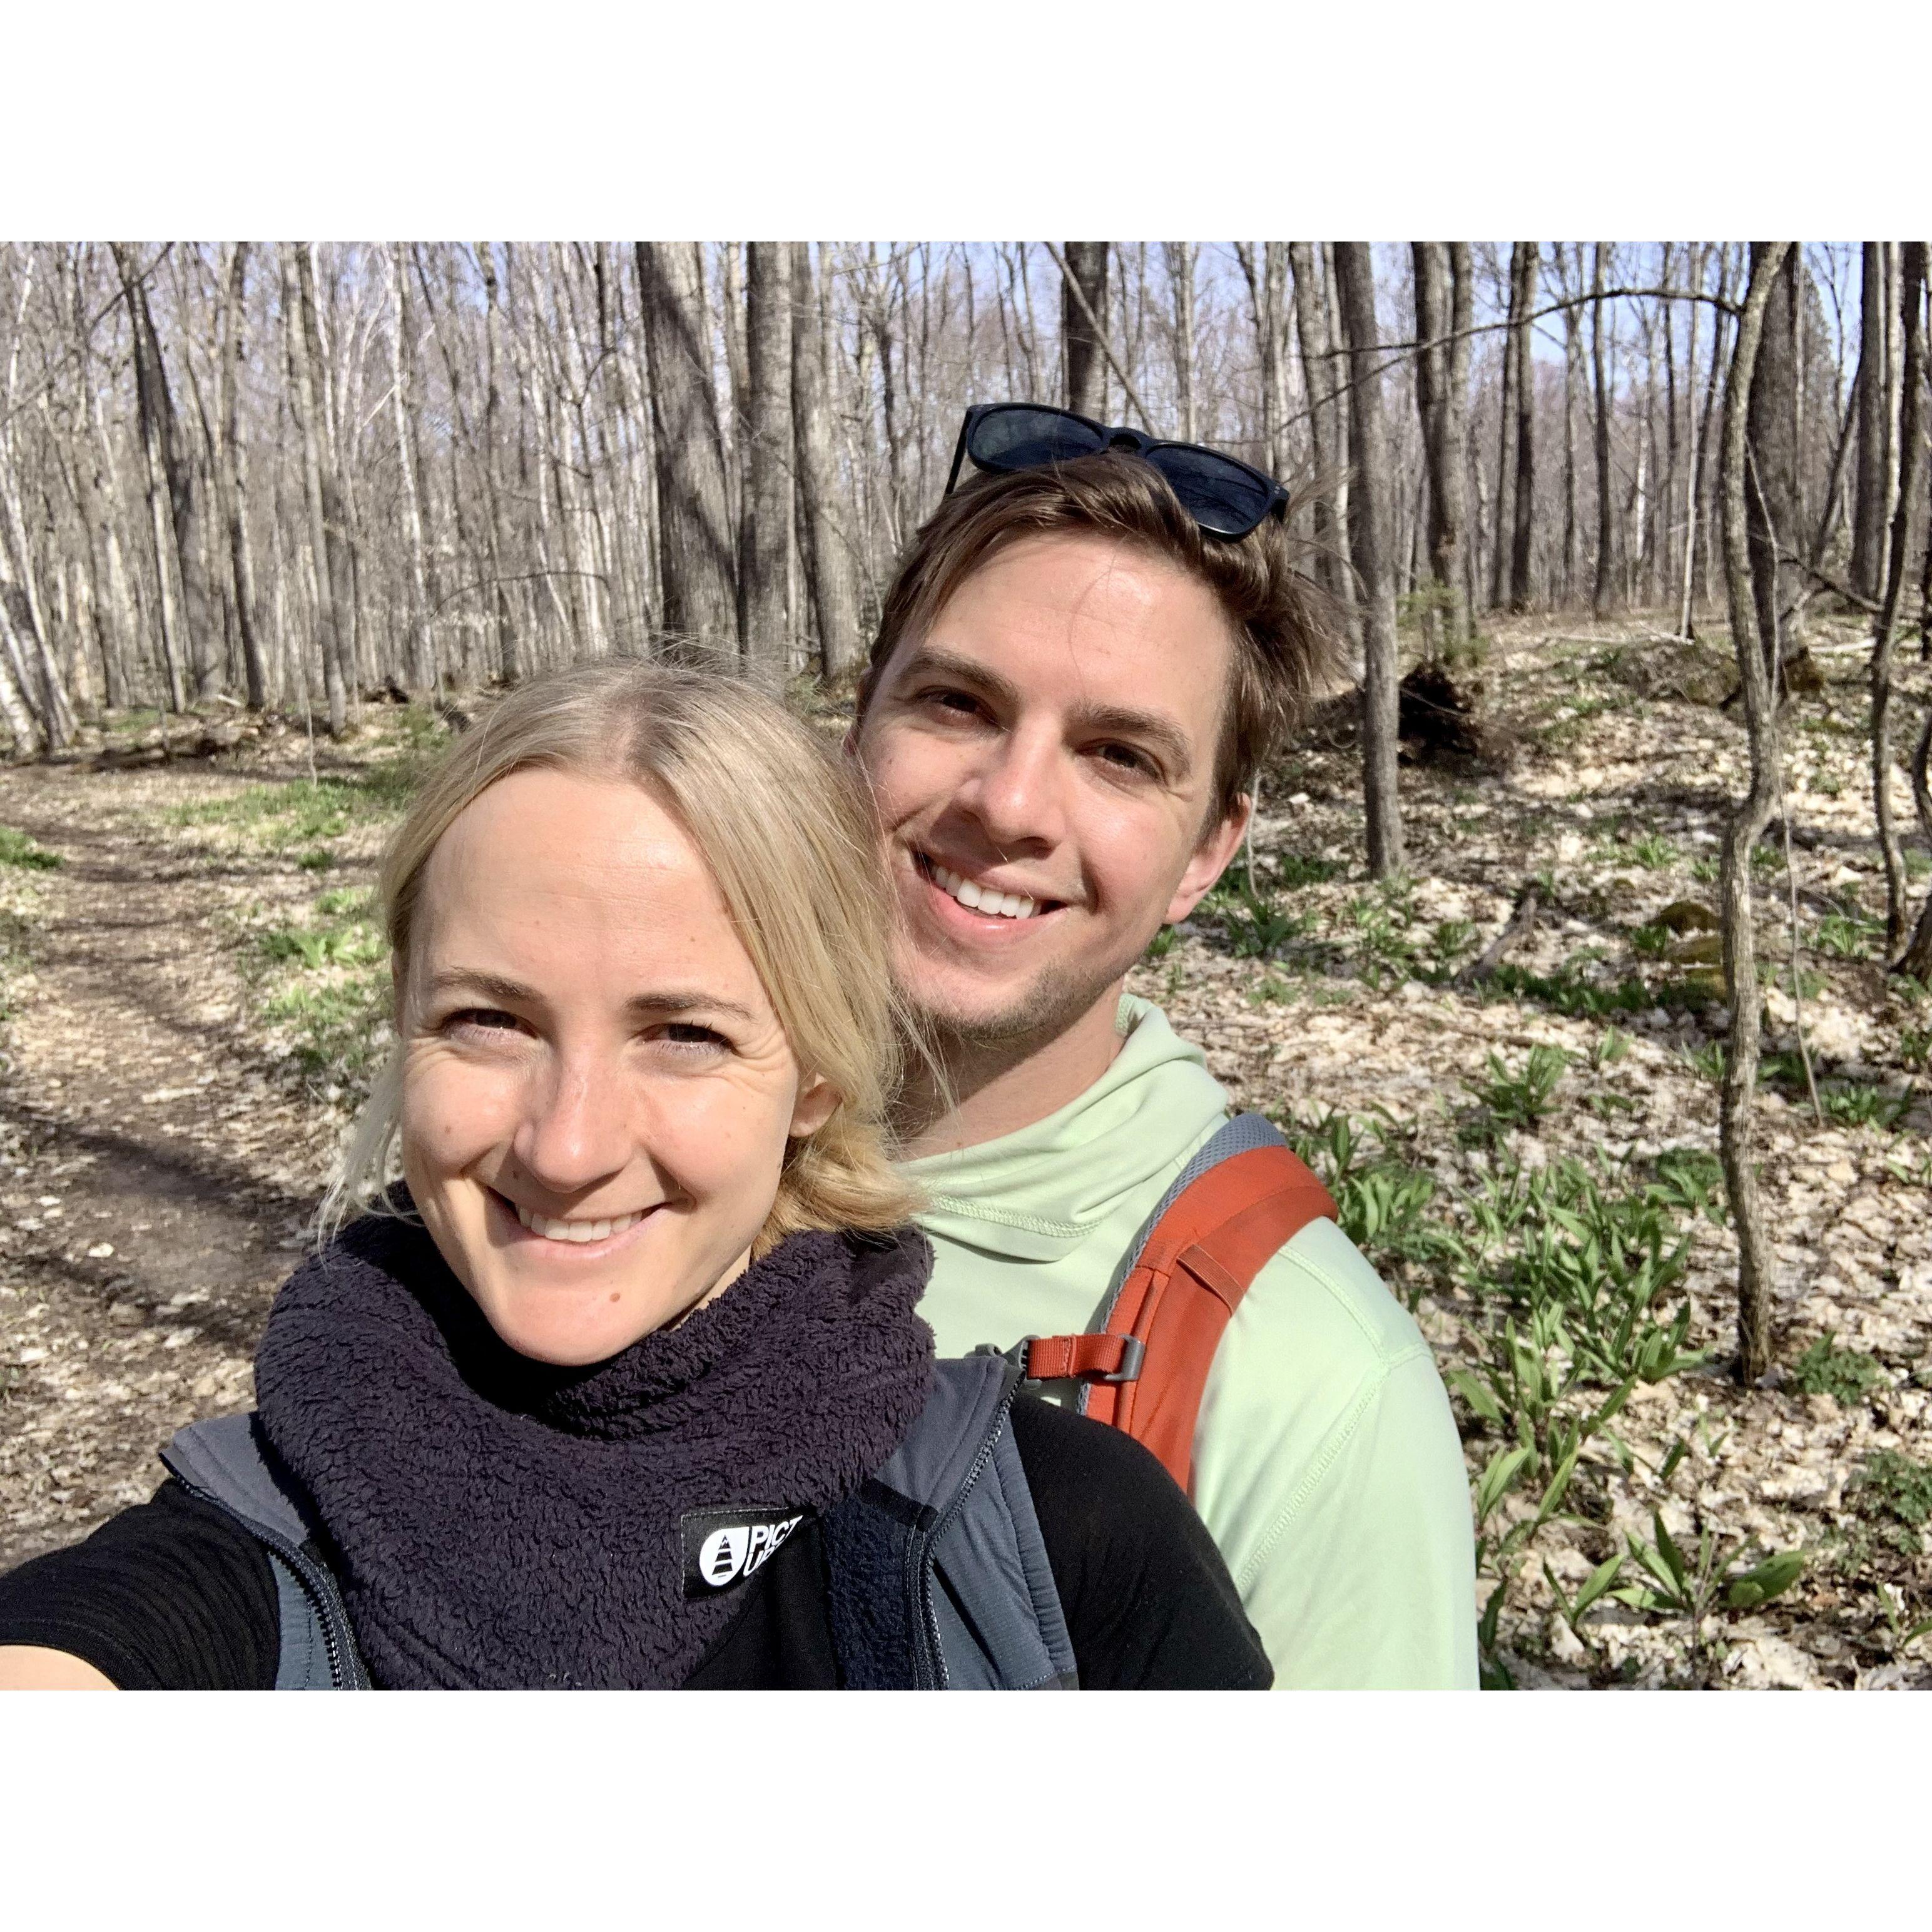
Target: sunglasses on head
x=1225, y=497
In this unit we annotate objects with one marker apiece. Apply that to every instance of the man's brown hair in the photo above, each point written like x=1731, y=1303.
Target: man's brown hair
x=1281, y=623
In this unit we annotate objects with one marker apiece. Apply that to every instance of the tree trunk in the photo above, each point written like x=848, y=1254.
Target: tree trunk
x=1443, y=406
x=767, y=444
x=1600, y=597
x=1522, y=278
x=830, y=566
x=298, y=309
x=1911, y=286
x=1328, y=459
x=700, y=592
x=1772, y=498
x=1756, y=1259
x=1869, y=507
x=234, y=459
x=1369, y=545
x=1085, y=365
x=419, y=672
x=1179, y=257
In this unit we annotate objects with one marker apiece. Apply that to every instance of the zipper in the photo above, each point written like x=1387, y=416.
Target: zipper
x=345, y=1670
x=939, y=1530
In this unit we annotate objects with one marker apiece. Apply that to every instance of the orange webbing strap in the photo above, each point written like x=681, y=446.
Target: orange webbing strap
x=1196, y=1264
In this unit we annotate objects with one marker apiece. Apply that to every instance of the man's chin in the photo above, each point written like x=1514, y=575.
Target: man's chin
x=1005, y=1018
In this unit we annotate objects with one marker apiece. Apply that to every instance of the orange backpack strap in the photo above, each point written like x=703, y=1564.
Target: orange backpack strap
x=1242, y=1198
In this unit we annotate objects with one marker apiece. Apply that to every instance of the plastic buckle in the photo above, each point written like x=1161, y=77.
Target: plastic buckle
x=1016, y=1355
x=1133, y=1352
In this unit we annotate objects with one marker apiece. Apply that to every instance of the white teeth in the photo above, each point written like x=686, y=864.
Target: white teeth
x=982, y=899
x=577, y=1232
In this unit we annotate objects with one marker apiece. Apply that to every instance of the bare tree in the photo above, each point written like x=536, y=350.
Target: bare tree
x=324, y=508
x=1600, y=597
x=1911, y=286
x=1523, y=301
x=232, y=470
x=1443, y=403
x=1369, y=546
x=1083, y=306
x=1756, y=1259
x=828, y=537
x=767, y=443
x=701, y=596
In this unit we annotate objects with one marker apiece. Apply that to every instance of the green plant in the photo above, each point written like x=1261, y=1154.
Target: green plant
x=1255, y=927
x=1453, y=938
x=1652, y=851
x=1893, y=1490
x=1847, y=1376
x=17, y=849
x=1859, y=1106
x=1705, y=869
x=1613, y=1043
x=1844, y=936
x=1293, y=870
x=1381, y=1201
x=1691, y=1180
x=1688, y=1584
x=1162, y=944
x=1519, y=1099
x=1653, y=942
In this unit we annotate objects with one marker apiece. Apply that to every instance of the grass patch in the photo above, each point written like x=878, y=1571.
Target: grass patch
x=1847, y=1376
x=17, y=849
x=1892, y=1491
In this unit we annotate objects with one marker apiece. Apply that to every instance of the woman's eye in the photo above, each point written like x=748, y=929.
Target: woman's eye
x=482, y=1019
x=685, y=1034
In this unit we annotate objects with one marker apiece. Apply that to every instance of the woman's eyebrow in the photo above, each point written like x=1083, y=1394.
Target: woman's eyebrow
x=514, y=992
x=681, y=1001
x=472, y=980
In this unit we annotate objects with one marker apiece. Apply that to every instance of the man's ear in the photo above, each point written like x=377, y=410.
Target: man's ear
x=817, y=1101
x=1210, y=860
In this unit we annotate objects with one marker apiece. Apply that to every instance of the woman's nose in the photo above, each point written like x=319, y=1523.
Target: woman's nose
x=577, y=1130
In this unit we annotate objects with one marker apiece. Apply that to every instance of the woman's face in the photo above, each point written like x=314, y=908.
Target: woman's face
x=597, y=1093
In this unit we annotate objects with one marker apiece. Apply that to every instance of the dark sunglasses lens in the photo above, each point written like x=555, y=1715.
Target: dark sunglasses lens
x=1022, y=439
x=1220, y=495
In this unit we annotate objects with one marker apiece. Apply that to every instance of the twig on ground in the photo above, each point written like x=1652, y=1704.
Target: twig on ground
x=1521, y=921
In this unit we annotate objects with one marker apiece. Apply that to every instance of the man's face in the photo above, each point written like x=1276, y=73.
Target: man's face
x=1043, y=758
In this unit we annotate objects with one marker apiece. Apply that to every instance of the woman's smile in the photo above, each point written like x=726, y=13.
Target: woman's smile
x=580, y=1238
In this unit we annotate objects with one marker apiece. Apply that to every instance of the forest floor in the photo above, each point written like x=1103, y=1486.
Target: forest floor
x=193, y=986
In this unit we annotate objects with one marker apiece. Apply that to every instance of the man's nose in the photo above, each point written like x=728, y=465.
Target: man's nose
x=1018, y=799
x=576, y=1129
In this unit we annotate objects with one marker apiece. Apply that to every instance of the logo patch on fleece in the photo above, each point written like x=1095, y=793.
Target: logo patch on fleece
x=723, y=1546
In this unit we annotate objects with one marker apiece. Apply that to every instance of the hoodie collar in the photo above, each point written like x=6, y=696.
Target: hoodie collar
x=1036, y=1194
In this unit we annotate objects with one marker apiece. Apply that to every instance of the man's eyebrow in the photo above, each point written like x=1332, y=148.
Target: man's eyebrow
x=926, y=661
x=514, y=992
x=1159, y=733
x=1152, y=728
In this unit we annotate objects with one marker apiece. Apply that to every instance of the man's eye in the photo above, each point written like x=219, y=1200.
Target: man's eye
x=1125, y=758
x=961, y=702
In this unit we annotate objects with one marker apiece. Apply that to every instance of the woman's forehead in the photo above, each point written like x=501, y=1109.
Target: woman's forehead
x=575, y=876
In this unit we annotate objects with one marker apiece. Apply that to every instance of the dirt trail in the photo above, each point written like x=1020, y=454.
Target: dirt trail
x=154, y=1173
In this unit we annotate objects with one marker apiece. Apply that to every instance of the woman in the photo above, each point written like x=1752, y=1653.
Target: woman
x=623, y=1384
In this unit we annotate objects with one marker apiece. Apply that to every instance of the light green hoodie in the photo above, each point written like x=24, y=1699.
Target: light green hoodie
x=1326, y=1463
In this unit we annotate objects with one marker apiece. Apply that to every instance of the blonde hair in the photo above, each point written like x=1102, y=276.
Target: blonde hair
x=787, y=832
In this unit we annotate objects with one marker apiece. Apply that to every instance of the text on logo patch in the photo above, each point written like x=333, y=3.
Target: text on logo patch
x=723, y=1546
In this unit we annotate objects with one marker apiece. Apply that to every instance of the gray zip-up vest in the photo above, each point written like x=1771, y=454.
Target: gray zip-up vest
x=939, y=1573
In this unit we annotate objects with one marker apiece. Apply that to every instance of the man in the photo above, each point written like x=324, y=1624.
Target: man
x=1073, y=688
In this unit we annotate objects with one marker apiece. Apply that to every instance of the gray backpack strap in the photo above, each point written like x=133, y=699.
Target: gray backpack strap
x=939, y=1573
x=225, y=1463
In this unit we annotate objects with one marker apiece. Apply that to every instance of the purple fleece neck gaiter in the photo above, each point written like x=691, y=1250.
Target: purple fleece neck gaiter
x=497, y=1522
